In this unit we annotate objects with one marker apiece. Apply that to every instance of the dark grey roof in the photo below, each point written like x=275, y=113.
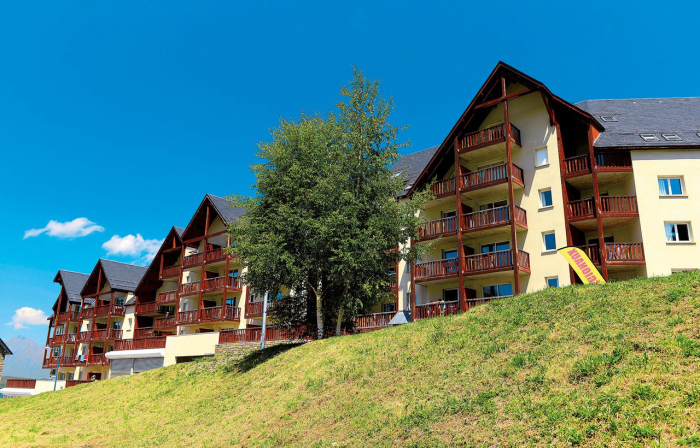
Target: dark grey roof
x=73, y=282
x=680, y=116
x=412, y=165
x=179, y=230
x=4, y=348
x=228, y=214
x=121, y=275
x=402, y=317
x=131, y=301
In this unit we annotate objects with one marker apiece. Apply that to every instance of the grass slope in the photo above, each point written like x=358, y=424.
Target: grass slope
x=606, y=365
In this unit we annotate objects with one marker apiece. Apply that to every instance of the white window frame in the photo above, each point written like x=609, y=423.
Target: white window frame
x=546, y=161
x=676, y=224
x=544, y=241
x=542, y=206
x=554, y=277
x=668, y=185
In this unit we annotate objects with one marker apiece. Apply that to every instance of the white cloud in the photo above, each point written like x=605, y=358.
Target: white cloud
x=132, y=245
x=28, y=316
x=71, y=229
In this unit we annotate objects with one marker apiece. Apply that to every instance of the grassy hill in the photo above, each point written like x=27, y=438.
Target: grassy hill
x=614, y=364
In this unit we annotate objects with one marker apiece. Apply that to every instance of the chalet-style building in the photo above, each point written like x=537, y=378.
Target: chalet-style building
x=521, y=174
x=4, y=351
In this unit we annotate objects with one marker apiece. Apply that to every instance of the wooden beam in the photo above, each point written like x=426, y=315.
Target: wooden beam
x=461, y=295
x=598, y=208
x=497, y=101
x=511, y=196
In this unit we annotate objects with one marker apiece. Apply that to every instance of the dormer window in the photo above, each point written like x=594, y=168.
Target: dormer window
x=672, y=137
x=608, y=118
x=649, y=137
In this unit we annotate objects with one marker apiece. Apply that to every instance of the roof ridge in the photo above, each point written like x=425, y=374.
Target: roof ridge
x=650, y=98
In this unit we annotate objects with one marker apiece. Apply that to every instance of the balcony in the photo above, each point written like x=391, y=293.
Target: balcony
x=373, y=321
x=490, y=180
x=615, y=211
x=106, y=334
x=68, y=361
x=149, y=308
x=217, y=313
x=106, y=310
x=215, y=255
x=139, y=344
x=166, y=297
x=187, y=317
x=170, y=272
x=146, y=332
x=612, y=168
x=443, y=188
x=271, y=334
x=96, y=360
x=493, y=218
x=435, y=309
x=593, y=252
x=192, y=260
x=255, y=309
x=437, y=270
x=438, y=228
x=211, y=285
x=87, y=313
x=70, y=338
x=62, y=317
x=20, y=384
x=58, y=339
x=49, y=363
x=83, y=336
x=189, y=289
x=166, y=323
x=624, y=253
x=498, y=261
x=495, y=135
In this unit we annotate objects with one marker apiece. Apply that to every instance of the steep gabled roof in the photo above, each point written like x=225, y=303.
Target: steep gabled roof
x=72, y=282
x=485, y=97
x=412, y=165
x=222, y=209
x=121, y=276
x=4, y=348
x=680, y=116
x=175, y=232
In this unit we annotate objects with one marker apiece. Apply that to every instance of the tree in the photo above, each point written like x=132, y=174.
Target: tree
x=325, y=222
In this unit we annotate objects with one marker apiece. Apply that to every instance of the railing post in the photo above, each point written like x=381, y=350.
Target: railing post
x=264, y=322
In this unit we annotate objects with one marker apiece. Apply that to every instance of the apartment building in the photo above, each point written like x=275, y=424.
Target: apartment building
x=4, y=351
x=521, y=173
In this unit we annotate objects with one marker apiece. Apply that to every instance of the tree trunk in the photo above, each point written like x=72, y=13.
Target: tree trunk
x=340, y=320
x=319, y=310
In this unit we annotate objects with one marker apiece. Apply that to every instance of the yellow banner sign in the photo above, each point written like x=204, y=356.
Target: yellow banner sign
x=582, y=265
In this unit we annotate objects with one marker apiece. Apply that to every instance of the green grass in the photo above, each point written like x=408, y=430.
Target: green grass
x=593, y=366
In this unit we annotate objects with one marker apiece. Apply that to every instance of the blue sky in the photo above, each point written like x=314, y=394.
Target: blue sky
x=127, y=113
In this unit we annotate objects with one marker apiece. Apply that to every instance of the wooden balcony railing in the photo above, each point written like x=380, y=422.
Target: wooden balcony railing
x=493, y=217
x=87, y=313
x=98, y=335
x=495, y=261
x=211, y=313
x=71, y=383
x=146, y=332
x=74, y=316
x=166, y=297
x=582, y=208
x=255, y=309
x=624, y=252
x=614, y=160
x=445, y=187
x=165, y=323
x=70, y=338
x=577, y=165
x=47, y=363
x=140, y=344
x=147, y=308
x=62, y=317
x=58, y=339
x=96, y=360
x=114, y=333
x=437, y=269
x=217, y=283
x=488, y=136
x=20, y=384
x=215, y=255
x=117, y=310
x=438, y=228
x=489, y=176
x=593, y=253
x=435, y=309
x=170, y=272
x=68, y=361
x=271, y=334
x=372, y=321
x=189, y=288
x=103, y=310
x=187, y=317
x=83, y=336
x=192, y=260
x=619, y=205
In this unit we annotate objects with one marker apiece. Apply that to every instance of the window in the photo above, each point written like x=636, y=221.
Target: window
x=678, y=232
x=672, y=137
x=449, y=254
x=546, y=198
x=56, y=352
x=541, y=157
x=550, y=241
x=450, y=214
x=649, y=137
x=552, y=282
x=498, y=290
x=117, y=325
x=450, y=295
x=670, y=186
x=61, y=376
x=131, y=321
x=389, y=307
x=608, y=118
x=233, y=273
x=494, y=247
x=59, y=330
x=71, y=375
x=491, y=205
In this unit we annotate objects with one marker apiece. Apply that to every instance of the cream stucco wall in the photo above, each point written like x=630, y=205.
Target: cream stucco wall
x=655, y=210
x=189, y=345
